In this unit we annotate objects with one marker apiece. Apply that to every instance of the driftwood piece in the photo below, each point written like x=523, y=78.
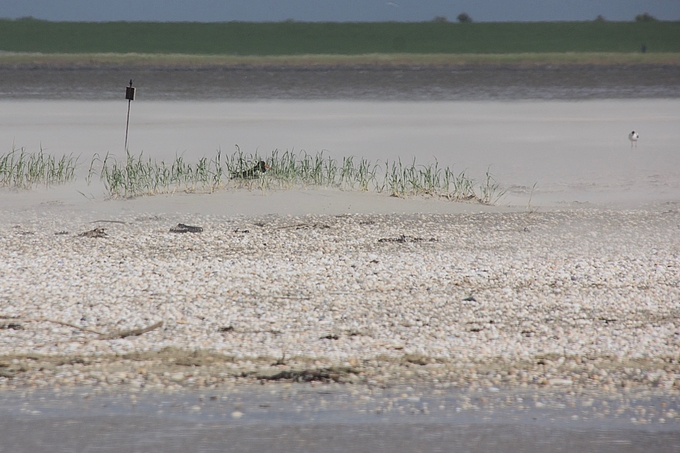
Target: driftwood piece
x=95, y=233
x=131, y=333
x=11, y=326
x=335, y=374
x=69, y=325
x=405, y=238
x=299, y=226
x=53, y=321
x=182, y=228
x=102, y=335
x=109, y=221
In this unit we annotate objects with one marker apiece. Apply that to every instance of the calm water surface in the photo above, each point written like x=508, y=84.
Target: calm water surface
x=476, y=83
x=331, y=419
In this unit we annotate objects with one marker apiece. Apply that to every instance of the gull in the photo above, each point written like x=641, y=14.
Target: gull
x=633, y=137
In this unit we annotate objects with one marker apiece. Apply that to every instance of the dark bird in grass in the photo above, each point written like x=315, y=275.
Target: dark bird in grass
x=254, y=172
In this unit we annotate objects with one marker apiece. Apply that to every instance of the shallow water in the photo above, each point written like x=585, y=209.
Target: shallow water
x=334, y=419
x=426, y=83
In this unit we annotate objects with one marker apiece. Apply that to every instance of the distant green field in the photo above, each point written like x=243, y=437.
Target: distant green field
x=303, y=38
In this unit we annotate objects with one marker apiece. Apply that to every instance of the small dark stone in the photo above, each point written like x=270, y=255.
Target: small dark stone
x=95, y=233
x=182, y=228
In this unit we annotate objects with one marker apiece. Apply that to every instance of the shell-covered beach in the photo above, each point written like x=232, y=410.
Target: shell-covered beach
x=584, y=298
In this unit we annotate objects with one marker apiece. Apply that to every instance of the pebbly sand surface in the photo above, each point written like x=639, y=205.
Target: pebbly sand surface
x=444, y=323
x=563, y=307
x=374, y=323
x=483, y=296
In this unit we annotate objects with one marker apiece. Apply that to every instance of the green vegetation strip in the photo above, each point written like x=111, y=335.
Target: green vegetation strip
x=194, y=61
x=312, y=38
x=137, y=175
x=23, y=170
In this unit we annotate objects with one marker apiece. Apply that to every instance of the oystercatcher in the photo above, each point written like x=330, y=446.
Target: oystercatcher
x=254, y=172
x=633, y=137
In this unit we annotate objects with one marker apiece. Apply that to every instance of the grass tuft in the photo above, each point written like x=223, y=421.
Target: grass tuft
x=22, y=170
x=136, y=175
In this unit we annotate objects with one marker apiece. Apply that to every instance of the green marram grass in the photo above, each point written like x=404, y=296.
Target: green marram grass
x=344, y=38
x=137, y=175
x=23, y=170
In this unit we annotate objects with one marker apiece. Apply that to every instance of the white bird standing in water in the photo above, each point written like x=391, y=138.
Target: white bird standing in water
x=633, y=137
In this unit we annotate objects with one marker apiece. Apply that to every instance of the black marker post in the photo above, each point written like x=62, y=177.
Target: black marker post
x=130, y=96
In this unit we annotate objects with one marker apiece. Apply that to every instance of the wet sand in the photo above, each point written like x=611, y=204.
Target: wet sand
x=574, y=152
